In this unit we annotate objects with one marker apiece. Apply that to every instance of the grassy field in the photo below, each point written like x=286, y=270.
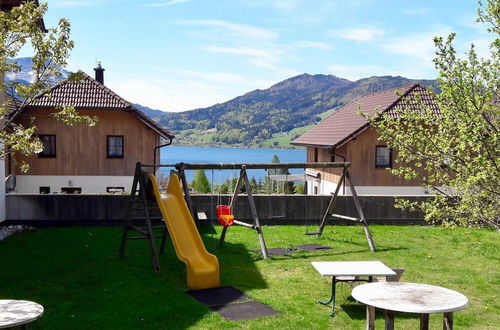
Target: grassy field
x=76, y=274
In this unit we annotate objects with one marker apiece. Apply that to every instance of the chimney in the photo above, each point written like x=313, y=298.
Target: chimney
x=99, y=73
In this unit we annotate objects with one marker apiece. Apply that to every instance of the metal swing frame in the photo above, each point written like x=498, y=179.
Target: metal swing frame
x=242, y=180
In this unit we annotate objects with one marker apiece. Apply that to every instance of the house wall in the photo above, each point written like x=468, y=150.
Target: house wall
x=81, y=151
x=367, y=178
x=30, y=184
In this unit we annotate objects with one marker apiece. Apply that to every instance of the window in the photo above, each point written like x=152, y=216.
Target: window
x=71, y=190
x=49, y=146
x=44, y=190
x=115, y=146
x=315, y=155
x=383, y=157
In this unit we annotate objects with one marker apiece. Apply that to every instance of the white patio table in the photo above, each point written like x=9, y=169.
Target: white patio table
x=15, y=313
x=423, y=299
x=339, y=270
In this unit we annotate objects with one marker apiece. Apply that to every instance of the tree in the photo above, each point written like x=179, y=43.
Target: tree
x=458, y=147
x=19, y=27
x=200, y=182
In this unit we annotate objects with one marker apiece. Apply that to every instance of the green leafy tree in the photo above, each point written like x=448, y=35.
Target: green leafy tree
x=20, y=27
x=300, y=188
x=458, y=147
x=200, y=182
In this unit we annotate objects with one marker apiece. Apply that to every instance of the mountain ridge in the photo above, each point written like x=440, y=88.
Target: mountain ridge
x=278, y=113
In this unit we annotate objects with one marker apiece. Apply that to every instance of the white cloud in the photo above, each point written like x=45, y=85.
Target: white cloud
x=416, y=45
x=313, y=45
x=239, y=30
x=281, y=5
x=215, y=76
x=169, y=95
x=187, y=91
x=166, y=3
x=406, y=69
x=242, y=51
x=358, y=34
x=355, y=72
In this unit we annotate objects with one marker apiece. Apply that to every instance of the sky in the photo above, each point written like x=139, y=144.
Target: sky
x=177, y=55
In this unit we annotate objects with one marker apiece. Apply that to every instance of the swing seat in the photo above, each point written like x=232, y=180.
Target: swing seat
x=224, y=216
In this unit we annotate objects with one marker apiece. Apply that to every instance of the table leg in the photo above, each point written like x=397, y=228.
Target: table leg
x=370, y=317
x=389, y=320
x=332, y=298
x=424, y=321
x=448, y=321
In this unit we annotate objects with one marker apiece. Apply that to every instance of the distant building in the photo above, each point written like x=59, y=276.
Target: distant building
x=346, y=136
x=82, y=158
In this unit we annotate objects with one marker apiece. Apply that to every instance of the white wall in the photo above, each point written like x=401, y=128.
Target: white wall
x=325, y=187
x=30, y=184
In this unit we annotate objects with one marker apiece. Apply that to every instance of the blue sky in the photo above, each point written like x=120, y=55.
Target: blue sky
x=177, y=55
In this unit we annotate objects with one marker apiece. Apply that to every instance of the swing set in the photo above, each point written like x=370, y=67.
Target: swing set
x=224, y=212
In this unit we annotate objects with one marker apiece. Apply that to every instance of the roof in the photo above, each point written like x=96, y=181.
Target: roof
x=88, y=93
x=345, y=124
x=11, y=103
x=7, y=5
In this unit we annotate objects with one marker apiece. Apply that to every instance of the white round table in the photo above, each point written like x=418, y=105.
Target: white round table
x=406, y=297
x=18, y=312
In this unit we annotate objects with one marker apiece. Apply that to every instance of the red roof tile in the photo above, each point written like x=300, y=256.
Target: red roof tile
x=346, y=123
x=88, y=93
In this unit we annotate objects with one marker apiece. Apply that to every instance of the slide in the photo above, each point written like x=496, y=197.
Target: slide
x=202, y=267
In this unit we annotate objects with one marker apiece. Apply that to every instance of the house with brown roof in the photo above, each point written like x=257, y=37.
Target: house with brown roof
x=346, y=136
x=82, y=158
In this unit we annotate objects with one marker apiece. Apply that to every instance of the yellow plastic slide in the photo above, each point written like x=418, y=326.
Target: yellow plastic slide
x=202, y=267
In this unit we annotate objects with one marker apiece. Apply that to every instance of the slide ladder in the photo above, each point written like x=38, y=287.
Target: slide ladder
x=202, y=267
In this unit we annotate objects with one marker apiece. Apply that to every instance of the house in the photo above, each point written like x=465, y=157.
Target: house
x=82, y=158
x=346, y=136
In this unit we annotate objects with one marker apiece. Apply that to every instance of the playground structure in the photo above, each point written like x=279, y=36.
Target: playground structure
x=202, y=267
x=141, y=189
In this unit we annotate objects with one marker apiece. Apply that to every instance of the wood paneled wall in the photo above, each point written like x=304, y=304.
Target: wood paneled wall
x=360, y=152
x=81, y=150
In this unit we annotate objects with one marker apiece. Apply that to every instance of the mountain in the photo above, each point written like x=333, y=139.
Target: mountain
x=25, y=75
x=274, y=116
x=152, y=113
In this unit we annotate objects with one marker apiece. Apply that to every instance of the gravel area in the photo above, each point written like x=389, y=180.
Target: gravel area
x=11, y=230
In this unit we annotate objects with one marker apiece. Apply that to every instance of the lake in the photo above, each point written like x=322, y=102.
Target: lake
x=177, y=154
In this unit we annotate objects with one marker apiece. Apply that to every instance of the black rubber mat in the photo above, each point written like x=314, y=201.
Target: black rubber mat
x=231, y=303
x=277, y=251
x=246, y=311
x=219, y=296
x=314, y=247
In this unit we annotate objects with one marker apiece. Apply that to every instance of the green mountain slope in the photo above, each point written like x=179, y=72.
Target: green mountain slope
x=273, y=117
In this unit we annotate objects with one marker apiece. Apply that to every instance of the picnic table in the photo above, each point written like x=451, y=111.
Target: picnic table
x=15, y=313
x=349, y=271
x=423, y=299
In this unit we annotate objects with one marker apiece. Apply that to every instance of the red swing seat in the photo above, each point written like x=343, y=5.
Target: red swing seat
x=224, y=216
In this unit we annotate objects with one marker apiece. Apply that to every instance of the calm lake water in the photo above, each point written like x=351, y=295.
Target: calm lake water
x=176, y=154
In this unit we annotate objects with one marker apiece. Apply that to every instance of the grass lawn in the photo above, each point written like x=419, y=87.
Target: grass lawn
x=76, y=275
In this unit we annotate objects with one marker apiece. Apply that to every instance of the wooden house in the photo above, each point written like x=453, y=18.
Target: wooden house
x=82, y=158
x=346, y=136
